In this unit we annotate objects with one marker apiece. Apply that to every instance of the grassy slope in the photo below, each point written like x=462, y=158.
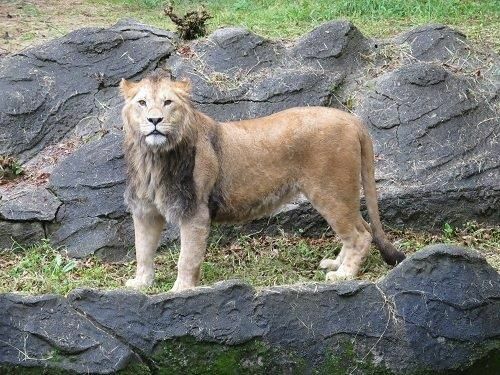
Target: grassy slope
x=41, y=20
x=261, y=261
x=379, y=18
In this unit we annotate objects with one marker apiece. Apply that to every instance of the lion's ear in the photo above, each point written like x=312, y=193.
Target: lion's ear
x=183, y=87
x=128, y=88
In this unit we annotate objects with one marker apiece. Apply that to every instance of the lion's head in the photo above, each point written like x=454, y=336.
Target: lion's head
x=156, y=110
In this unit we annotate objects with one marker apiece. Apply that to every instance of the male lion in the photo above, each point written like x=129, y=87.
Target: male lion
x=189, y=169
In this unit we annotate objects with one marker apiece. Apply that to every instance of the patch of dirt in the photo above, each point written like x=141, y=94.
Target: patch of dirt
x=38, y=170
x=27, y=23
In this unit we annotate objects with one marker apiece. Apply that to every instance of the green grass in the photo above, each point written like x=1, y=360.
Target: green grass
x=479, y=19
x=35, y=22
x=261, y=261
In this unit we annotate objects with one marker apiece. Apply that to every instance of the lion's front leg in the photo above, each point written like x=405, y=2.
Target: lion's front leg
x=148, y=228
x=194, y=234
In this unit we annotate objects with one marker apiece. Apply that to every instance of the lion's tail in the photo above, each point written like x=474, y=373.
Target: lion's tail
x=387, y=250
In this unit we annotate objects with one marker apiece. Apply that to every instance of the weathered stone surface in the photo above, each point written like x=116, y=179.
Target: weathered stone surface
x=44, y=331
x=438, y=293
x=237, y=74
x=222, y=314
x=25, y=211
x=436, y=134
x=436, y=42
x=437, y=311
x=333, y=46
x=22, y=232
x=90, y=183
x=51, y=89
x=28, y=203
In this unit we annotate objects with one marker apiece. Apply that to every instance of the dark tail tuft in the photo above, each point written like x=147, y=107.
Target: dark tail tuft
x=389, y=253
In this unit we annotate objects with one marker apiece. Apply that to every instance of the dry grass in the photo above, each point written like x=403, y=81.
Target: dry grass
x=260, y=260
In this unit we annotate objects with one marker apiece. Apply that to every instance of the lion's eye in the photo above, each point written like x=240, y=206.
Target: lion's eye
x=167, y=102
x=142, y=103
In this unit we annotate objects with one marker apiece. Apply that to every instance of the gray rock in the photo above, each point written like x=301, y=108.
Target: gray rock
x=28, y=203
x=437, y=293
x=90, y=184
x=238, y=75
x=335, y=45
x=437, y=311
x=436, y=43
x=21, y=232
x=222, y=314
x=51, y=89
x=435, y=133
x=25, y=211
x=45, y=332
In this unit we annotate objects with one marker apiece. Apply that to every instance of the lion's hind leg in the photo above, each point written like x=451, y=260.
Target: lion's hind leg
x=334, y=264
x=343, y=215
x=355, y=248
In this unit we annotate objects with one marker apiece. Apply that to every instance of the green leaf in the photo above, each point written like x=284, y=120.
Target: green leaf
x=69, y=266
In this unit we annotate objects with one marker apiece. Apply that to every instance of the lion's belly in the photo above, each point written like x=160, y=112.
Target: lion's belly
x=236, y=209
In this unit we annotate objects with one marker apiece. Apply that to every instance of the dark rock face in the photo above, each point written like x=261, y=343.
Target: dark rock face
x=25, y=212
x=435, y=131
x=90, y=183
x=435, y=128
x=437, y=311
x=435, y=42
x=26, y=203
x=42, y=331
x=48, y=90
x=237, y=74
x=24, y=233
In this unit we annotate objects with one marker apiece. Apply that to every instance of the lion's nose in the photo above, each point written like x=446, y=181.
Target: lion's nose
x=155, y=120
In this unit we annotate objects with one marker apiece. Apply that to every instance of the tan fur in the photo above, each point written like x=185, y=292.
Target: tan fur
x=238, y=171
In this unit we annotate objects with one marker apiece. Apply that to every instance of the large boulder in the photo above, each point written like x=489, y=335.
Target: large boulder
x=90, y=184
x=45, y=331
x=49, y=90
x=238, y=75
x=25, y=213
x=437, y=311
x=435, y=133
x=436, y=43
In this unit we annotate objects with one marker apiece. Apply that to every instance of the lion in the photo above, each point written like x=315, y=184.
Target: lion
x=186, y=168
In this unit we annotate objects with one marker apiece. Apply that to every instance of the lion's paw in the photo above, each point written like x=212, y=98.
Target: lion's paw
x=179, y=287
x=329, y=264
x=338, y=276
x=138, y=283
